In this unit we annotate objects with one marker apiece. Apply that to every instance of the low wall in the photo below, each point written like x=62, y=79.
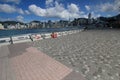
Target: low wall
x=33, y=37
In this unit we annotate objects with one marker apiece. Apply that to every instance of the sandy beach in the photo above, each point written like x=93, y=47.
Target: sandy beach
x=93, y=53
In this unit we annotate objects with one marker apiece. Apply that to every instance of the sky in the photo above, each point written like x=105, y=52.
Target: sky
x=43, y=10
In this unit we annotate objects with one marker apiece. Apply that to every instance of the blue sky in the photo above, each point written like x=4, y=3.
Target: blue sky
x=43, y=10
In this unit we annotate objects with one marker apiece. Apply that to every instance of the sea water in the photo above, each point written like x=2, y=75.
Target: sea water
x=8, y=33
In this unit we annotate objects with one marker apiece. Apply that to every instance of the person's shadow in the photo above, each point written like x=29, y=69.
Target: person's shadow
x=18, y=49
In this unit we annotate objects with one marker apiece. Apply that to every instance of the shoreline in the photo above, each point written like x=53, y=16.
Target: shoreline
x=33, y=37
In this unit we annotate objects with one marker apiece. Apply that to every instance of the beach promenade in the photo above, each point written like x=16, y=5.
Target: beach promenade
x=87, y=55
x=22, y=61
x=93, y=53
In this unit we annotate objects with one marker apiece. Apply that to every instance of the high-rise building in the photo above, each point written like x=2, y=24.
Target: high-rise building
x=89, y=18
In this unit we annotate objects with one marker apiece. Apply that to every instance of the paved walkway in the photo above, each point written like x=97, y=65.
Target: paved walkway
x=6, y=72
x=22, y=62
x=94, y=53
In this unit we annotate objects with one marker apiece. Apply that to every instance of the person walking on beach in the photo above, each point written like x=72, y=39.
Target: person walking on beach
x=85, y=28
x=30, y=38
x=11, y=41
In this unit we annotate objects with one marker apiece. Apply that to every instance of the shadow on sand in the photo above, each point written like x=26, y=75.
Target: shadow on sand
x=18, y=48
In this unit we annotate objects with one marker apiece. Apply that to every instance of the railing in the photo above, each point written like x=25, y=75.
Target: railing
x=33, y=37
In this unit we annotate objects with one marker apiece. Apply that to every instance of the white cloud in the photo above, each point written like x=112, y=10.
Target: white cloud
x=5, y=19
x=7, y=8
x=20, y=18
x=20, y=11
x=95, y=15
x=37, y=10
x=27, y=12
x=117, y=5
x=73, y=8
x=14, y=1
x=87, y=7
x=49, y=3
x=58, y=11
x=108, y=7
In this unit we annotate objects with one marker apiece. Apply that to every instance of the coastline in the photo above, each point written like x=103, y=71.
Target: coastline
x=33, y=37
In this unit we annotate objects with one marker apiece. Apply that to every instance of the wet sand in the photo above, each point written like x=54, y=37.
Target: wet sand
x=93, y=53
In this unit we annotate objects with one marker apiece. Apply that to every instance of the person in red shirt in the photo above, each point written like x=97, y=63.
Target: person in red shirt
x=54, y=35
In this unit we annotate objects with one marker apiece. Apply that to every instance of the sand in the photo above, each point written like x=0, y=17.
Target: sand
x=93, y=53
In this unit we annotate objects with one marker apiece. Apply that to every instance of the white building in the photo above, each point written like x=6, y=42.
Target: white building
x=34, y=24
x=1, y=26
x=23, y=26
x=18, y=26
x=11, y=27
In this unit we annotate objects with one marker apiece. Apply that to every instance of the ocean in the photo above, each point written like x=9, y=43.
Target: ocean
x=8, y=33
